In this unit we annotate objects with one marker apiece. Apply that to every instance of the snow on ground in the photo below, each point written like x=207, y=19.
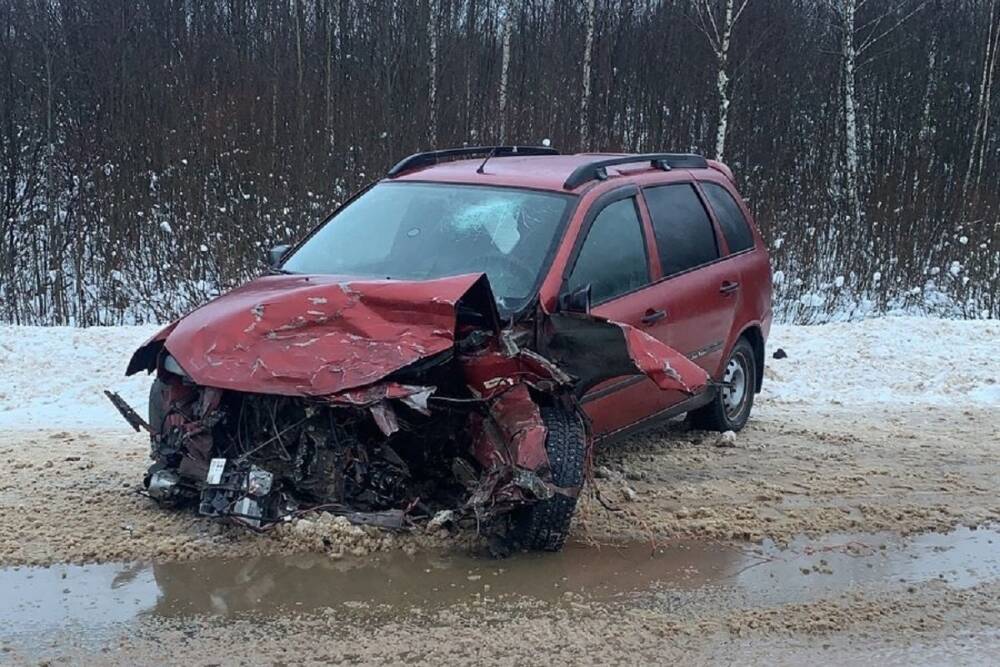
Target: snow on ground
x=53, y=377
x=894, y=360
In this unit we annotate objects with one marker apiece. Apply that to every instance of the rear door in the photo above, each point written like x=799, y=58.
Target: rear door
x=753, y=300
x=612, y=255
x=697, y=292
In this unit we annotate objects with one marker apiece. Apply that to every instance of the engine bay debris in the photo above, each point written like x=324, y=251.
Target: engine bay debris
x=386, y=402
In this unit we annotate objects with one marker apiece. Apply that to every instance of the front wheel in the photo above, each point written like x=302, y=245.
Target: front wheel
x=730, y=409
x=544, y=525
x=158, y=393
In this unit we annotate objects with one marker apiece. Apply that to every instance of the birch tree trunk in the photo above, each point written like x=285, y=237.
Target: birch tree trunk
x=505, y=69
x=274, y=96
x=851, y=159
x=988, y=103
x=55, y=273
x=470, y=26
x=327, y=19
x=722, y=81
x=719, y=32
x=299, y=96
x=588, y=51
x=925, y=135
x=974, y=172
x=432, y=34
x=926, y=119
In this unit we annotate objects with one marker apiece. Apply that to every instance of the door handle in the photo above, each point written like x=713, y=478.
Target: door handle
x=729, y=286
x=652, y=316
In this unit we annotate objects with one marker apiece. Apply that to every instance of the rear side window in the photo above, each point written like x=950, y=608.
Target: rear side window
x=613, y=256
x=730, y=217
x=685, y=237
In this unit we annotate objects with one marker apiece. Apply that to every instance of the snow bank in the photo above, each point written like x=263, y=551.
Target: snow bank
x=896, y=360
x=52, y=377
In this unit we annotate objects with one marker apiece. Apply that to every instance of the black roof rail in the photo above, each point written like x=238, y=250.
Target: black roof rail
x=597, y=170
x=433, y=157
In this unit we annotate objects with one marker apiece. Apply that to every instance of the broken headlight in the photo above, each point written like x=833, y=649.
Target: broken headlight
x=171, y=366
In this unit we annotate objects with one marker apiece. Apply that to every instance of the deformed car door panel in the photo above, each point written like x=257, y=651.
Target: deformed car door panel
x=620, y=401
x=613, y=237
x=623, y=374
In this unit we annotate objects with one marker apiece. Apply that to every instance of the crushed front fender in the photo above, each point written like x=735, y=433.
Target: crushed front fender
x=387, y=402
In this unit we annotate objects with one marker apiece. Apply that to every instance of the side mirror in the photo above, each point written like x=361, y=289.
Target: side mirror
x=275, y=254
x=577, y=301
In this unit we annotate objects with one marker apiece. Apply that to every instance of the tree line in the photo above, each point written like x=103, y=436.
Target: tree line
x=150, y=150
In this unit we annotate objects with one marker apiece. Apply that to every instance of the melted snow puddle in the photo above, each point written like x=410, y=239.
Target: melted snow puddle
x=95, y=603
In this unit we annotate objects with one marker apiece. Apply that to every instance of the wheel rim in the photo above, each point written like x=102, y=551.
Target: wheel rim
x=734, y=389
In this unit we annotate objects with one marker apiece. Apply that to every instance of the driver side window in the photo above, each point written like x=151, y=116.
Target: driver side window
x=613, y=256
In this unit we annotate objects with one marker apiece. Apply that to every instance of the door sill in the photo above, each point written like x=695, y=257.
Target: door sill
x=687, y=405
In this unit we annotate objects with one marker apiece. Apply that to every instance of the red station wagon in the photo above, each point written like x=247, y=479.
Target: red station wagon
x=448, y=345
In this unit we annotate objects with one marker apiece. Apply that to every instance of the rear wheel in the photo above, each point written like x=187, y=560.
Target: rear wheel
x=544, y=525
x=730, y=409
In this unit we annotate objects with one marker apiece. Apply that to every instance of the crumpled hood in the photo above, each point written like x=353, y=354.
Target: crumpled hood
x=316, y=335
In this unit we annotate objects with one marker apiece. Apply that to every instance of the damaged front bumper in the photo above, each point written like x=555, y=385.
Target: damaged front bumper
x=385, y=402
x=384, y=459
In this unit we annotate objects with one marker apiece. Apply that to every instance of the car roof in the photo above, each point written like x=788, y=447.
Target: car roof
x=540, y=172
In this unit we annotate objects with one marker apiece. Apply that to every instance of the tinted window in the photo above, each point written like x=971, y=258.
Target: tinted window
x=685, y=237
x=730, y=217
x=613, y=257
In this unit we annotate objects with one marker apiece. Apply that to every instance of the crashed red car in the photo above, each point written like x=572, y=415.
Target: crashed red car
x=449, y=344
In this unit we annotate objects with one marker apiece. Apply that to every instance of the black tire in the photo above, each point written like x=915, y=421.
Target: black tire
x=157, y=404
x=723, y=413
x=544, y=525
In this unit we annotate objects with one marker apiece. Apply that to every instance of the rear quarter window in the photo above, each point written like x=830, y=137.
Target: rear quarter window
x=730, y=217
x=685, y=237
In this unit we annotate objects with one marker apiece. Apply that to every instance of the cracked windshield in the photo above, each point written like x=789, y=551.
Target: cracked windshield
x=420, y=231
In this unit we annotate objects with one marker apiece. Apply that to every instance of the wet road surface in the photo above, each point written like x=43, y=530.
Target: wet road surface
x=98, y=602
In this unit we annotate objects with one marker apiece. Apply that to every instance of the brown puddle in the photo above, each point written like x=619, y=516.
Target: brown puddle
x=98, y=599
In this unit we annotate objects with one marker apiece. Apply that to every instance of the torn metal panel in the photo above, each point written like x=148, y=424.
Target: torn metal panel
x=593, y=350
x=500, y=365
x=521, y=430
x=144, y=358
x=664, y=365
x=509, y=444
x=126, y=411
x=377, y=397
x=414, y=396
x=384, y=417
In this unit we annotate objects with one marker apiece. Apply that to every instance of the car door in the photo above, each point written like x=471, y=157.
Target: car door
x=753, y=298
x=612, y=255
x=697, y=292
